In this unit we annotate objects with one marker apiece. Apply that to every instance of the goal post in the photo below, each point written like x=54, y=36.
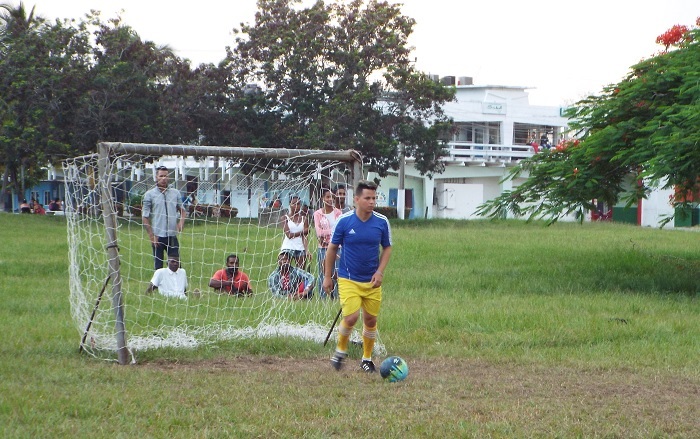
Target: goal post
x=228, y=194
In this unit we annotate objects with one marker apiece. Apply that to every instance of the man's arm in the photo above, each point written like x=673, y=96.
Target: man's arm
x=183, y=215
x=218, y=283
x=245, y=285
x=329, y=267
x=149, y=230
x=145, y=217
x=378, y=276
x=273, y=284
x=155, y=281
x=309, y=281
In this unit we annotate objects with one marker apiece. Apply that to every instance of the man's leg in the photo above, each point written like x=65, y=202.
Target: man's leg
x=369, y=335
x=173, y=247
x=344, y=332
x=159, y=252
x=371, y=303
x=350, y=302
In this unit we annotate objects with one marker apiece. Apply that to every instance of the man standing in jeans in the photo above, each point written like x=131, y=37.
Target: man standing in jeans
x=163, y=218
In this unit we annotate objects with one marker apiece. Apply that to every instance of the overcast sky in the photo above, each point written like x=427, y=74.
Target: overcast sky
x=563, y=49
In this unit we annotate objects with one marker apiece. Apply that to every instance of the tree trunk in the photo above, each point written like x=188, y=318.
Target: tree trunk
x=21, y=181
x=3, y=189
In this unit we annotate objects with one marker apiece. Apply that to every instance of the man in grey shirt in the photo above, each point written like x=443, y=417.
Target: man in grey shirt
x=163, y=218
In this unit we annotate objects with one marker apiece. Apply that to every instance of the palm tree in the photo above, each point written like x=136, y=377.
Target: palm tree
x=14, y=22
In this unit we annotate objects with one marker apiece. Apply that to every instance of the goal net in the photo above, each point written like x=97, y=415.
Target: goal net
x=235, y=199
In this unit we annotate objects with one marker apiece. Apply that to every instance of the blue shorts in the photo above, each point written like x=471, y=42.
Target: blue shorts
x=295, y=253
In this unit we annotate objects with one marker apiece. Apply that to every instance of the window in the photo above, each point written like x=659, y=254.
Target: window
x=526, y=134
x=478, y=132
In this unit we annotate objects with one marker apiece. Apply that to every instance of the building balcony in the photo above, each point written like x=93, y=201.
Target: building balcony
x=476, y=154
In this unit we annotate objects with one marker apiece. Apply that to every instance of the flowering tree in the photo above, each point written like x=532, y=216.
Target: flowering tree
x=640, y=133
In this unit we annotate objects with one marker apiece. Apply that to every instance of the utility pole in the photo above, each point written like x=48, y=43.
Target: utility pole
x=401, y=196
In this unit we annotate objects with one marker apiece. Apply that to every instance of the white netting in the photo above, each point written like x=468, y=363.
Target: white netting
x=229, y=203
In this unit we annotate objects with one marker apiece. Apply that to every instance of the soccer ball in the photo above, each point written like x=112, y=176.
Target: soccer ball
x=393, y=369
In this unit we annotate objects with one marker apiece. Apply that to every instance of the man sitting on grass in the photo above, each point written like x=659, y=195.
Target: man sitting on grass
x=288, y=281
x=170, y=281
x=231, y=280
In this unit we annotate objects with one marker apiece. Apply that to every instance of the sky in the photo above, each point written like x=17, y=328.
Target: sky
x=563, y=50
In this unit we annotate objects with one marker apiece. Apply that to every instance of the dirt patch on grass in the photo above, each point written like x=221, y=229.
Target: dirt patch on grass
x=481, y=398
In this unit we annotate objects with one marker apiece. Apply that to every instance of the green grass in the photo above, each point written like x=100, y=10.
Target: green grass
x=509, y=329
x=153, y=319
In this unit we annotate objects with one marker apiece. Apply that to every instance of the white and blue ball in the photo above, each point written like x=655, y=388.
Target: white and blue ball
x=393, y=369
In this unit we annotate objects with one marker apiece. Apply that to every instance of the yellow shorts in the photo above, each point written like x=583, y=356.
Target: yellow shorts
x=355, y=295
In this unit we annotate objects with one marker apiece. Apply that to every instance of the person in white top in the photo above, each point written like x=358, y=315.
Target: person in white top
x=296, y=228
x=170, y=281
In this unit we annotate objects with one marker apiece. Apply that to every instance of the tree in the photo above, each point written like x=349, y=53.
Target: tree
x=128, y=97
x=14, y=22
x=640, y=133
x=339, y=76
x=41, y=68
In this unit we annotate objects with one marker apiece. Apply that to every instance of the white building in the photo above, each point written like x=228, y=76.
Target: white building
x=495, y=128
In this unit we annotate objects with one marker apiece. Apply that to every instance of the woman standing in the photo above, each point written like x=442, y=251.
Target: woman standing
x=296, y=227
x=324, y=222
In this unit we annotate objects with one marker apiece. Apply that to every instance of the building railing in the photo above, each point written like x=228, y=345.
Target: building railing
x=484, y=154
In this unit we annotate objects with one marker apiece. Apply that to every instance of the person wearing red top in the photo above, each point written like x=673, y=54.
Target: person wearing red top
x=231, y=280
x=39, y=209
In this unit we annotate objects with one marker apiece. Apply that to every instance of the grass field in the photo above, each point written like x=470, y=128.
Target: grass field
x=509, y=329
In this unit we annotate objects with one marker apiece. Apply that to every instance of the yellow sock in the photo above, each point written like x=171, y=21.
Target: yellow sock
x=344, y=332
x=369, y=335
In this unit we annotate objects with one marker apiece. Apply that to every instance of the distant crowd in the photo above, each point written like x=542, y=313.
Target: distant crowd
x=291, y=278
x=36, y=208
x=163, y=216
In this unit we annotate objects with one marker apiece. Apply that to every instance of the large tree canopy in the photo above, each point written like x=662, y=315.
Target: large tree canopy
x=640, y=133
x=65, y=86
x=339, y=76
x=43, y=68
x=133, y=90
x=330, y=76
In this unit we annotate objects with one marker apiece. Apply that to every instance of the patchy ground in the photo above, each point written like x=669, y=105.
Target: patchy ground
x=482, y=398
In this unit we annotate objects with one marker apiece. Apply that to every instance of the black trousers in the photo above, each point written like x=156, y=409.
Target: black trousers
x=166, y=245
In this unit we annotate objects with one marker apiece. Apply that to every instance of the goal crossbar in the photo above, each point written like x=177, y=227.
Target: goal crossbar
x=348, y=156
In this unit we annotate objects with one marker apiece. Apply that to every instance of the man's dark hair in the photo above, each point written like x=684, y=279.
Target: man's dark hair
x=162, y=168
x=231, y=256
x=365, y=184
x=337, y=187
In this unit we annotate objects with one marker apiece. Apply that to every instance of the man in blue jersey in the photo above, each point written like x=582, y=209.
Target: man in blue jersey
x=361, y=233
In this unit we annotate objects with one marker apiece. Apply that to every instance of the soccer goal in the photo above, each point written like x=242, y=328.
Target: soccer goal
x=234, y=199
